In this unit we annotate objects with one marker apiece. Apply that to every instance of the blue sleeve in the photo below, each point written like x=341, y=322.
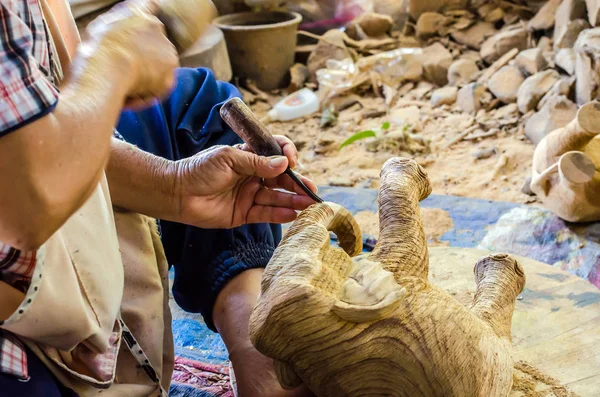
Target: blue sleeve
x=181, y=126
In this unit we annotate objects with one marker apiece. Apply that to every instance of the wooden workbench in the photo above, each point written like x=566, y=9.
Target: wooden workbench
x=556, y=324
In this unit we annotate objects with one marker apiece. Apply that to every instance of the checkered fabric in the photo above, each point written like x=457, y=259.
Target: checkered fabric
x=16, y=269
x=26, y=94
x=26, y=88
x=13, y=359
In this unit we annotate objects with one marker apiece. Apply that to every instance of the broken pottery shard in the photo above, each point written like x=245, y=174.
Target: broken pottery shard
x=331, y=46
x=462, y=71
x=471, y=55
x=496, y=15
x=505, y=83
x=569, y=35
x=474, y=36
x=408, y=116
x=468, y=98
x=298, y=75
x=568, y=11
x=494, y=67
x=586, y=84
x=588, y=42
x=565, y=59
x=482, y=154
x=418, y=7
x=556, y=113
x=484, y=9
x=564, y=87
x=340, y=181
x=544, y=19
x=444, y=96
x=499, y=44
x=430, y=24
x=369, y=24
x=395, y=9
x=531, y=61
x=587, y=49
x=593, y=8
x=436, y=61
x=545, y=44
x=349, y=325
x=422, y=89
x=534, y=88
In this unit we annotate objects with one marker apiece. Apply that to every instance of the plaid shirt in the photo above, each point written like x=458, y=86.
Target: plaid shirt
x=27, y=93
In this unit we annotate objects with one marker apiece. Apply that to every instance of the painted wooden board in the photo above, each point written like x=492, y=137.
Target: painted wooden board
x=556, y=324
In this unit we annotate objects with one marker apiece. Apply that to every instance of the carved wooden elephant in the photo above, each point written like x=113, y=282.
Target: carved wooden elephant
x=565, y=163
x=372, y=325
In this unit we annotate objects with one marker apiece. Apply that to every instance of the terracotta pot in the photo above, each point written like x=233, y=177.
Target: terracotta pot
x=261, y=45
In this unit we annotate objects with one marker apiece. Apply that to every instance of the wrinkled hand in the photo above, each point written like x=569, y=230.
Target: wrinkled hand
x=131, y=39
x=225, y=187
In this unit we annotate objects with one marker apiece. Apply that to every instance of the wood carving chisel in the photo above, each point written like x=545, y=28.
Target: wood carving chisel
x=254, y=133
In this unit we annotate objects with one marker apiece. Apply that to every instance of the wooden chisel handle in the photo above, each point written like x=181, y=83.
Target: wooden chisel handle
x=247, y=126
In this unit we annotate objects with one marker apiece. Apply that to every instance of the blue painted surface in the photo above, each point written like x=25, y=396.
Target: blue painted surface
x=493, y=225
x=194, y=340
x=471, y=217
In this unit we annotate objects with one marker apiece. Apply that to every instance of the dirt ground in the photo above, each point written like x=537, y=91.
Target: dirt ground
x=453, y=170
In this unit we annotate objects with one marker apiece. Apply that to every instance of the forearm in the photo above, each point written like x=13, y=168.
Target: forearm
x=141, y=182
x=53, y=164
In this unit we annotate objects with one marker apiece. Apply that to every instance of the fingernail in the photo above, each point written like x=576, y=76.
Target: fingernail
x=277, y=161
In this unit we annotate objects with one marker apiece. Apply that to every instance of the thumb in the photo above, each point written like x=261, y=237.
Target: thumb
x=246, y=163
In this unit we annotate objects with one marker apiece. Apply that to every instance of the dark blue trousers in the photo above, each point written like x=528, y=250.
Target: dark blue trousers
x=181, y=126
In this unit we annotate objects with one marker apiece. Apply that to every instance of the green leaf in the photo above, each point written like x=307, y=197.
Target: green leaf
x=358, y=136
x=406, y=127
x=385, y=126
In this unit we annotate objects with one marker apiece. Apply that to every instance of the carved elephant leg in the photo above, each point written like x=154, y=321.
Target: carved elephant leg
x=499, y=278
x=309, y=235
x=574, y=136
x=570, y=188
x=402, y=247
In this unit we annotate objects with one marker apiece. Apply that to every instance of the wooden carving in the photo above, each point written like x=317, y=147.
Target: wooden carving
x=565, y=167
x=372, y=325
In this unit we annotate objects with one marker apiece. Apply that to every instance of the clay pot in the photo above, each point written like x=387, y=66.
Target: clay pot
x=261, y=45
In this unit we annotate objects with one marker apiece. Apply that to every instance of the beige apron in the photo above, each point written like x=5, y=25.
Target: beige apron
x=97, y=268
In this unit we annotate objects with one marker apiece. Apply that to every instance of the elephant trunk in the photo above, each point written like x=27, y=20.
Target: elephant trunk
x=402, y=247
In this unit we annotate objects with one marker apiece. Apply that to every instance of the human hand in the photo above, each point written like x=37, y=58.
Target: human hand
x=225, y=187
x=130, y=40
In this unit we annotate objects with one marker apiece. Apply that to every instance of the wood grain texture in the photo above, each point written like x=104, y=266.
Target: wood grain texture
x=563, y=174
x=374, y=325
x=555, y=323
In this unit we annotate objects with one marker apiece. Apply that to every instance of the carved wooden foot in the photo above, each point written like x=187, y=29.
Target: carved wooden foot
x=565, y=164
